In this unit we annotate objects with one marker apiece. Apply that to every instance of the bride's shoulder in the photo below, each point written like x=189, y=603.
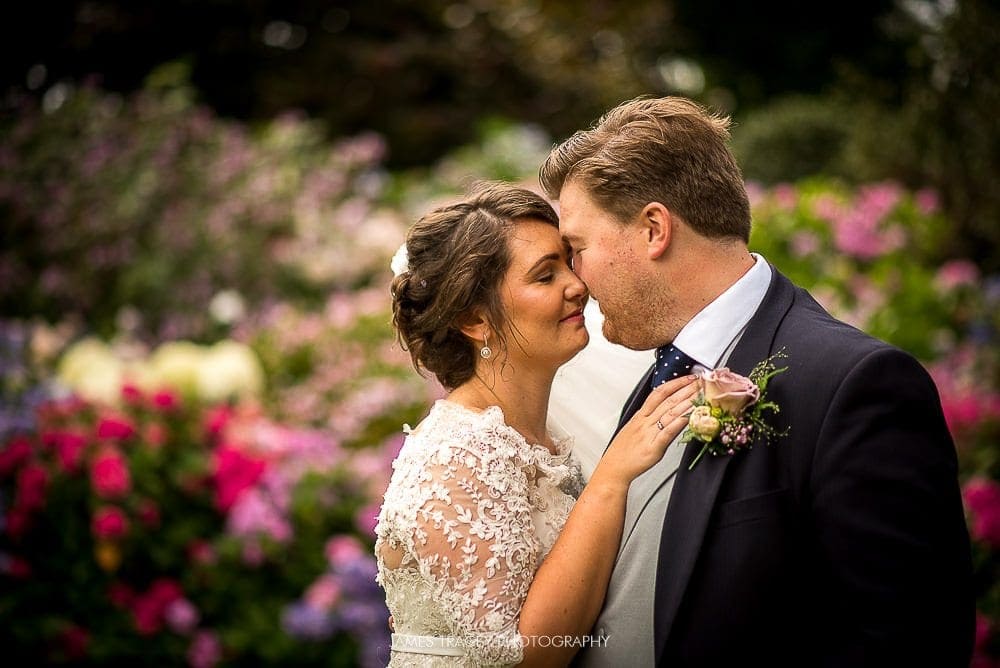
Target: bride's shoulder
x=450, y=427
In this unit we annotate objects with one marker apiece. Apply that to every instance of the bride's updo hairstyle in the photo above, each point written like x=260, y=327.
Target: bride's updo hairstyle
x=458, y=256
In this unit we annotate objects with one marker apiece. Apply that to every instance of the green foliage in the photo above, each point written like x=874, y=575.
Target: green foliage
x=792, y=138
x=153, y=206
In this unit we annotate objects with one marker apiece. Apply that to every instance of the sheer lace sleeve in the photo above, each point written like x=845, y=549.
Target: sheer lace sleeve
x=473, y=539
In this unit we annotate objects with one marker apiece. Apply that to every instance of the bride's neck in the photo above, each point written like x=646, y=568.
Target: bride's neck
x=524, y=401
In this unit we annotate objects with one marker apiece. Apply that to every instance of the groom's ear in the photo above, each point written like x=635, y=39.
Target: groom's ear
x=657, y=229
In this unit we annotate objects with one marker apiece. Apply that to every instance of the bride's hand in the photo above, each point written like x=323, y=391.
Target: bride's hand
x=645, y=437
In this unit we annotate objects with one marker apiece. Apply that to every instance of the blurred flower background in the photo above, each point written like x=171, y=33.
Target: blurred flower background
x=201, y=396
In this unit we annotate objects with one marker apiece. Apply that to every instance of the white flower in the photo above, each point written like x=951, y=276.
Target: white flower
x=400, y=261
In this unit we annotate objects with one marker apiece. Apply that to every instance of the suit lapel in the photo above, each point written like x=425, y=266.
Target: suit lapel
x=693, y=497
x=635, y=400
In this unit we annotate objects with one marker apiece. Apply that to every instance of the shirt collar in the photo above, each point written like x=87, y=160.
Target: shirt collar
x=710, y=332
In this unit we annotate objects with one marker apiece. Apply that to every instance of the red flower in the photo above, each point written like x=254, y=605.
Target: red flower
x=14, y=453
x=114, y=427
x=234, y=473
x=32, y=483
x=166, y=400
x=149, y=513
x=74, y=641
x=69, y=448
x=18, y=568
x=120, y=595
x=109, y=522
x=982, y=497
x=216, y=420
x=148, y=608
x=109, y=474
x=17, y=522
x=131, y=394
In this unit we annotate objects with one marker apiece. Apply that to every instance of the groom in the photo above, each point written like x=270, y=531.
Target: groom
x=843, y=542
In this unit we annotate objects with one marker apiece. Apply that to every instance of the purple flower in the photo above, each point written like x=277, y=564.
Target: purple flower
x=358, y=577
x=303, y=621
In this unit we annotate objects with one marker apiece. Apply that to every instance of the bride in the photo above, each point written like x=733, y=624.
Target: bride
x=485, y=554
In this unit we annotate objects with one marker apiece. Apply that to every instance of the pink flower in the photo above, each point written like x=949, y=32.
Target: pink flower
x=32, y=484
x=785, y=196
x=344, y=549
x=253, y=553
x=324, y=593
x=155, y=435
x=149, y=608
x=982, y=497
x=804, y=244
x=367, y=517
x=117, y=428
x=109, y=522
x=181, y=615
x=955, y=274
x=109, y=474
x=234, y=473
x=255, y=512
x=727, y=390
x=200, y=552
x=15, y=452
x=205, y=650
x=927, y=201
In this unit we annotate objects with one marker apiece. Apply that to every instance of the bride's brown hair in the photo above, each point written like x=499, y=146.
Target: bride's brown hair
x=458, y=256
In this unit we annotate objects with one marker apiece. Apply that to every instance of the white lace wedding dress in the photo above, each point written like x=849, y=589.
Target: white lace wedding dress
x=471, y=511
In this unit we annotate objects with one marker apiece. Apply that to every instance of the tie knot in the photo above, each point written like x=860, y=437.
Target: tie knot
x=671, y=362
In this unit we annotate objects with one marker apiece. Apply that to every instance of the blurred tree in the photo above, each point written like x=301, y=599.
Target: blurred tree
x=424, y=73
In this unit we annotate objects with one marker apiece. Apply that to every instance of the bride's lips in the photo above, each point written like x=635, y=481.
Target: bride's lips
x=575, y=316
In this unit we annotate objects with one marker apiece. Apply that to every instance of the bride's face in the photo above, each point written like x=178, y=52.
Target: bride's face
x=542, y=297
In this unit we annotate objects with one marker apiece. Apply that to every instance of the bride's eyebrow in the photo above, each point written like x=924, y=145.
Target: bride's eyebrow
x=542, y=260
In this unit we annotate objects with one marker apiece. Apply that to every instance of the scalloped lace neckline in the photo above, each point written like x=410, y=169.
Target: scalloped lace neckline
x=495, y=414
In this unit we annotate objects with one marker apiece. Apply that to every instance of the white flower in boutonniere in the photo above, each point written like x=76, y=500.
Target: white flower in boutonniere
x=729, y=412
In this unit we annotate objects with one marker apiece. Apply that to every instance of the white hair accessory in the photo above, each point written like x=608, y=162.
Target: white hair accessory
x=400, y=261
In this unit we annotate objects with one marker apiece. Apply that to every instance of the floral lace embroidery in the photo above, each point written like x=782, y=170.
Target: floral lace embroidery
x=471, y=511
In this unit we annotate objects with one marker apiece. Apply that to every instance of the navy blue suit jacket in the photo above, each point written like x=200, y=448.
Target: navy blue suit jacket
x=844, y=542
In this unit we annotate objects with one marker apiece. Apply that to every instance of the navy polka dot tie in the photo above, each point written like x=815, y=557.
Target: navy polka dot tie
x=671, y=363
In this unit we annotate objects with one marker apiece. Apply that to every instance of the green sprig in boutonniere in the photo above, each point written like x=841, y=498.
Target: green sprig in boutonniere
x=730, y=410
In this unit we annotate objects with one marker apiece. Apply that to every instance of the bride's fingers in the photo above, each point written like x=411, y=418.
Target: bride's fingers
x=662, y=393
x=675, y=404
x=672, y=425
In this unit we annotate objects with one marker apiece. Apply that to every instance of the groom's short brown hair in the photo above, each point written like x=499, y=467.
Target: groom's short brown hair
x=668, y=150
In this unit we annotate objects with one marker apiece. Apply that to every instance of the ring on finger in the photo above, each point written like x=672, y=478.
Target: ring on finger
x=659, y=425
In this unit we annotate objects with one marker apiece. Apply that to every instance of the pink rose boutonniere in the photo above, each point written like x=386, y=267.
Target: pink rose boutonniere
x=730, y=410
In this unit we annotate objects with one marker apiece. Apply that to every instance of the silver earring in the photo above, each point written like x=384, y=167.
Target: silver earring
x=485, y=351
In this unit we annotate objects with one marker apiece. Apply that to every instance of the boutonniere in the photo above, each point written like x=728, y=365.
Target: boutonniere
x=731, y=410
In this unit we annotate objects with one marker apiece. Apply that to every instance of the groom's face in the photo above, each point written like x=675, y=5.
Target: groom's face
x=606, y=257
